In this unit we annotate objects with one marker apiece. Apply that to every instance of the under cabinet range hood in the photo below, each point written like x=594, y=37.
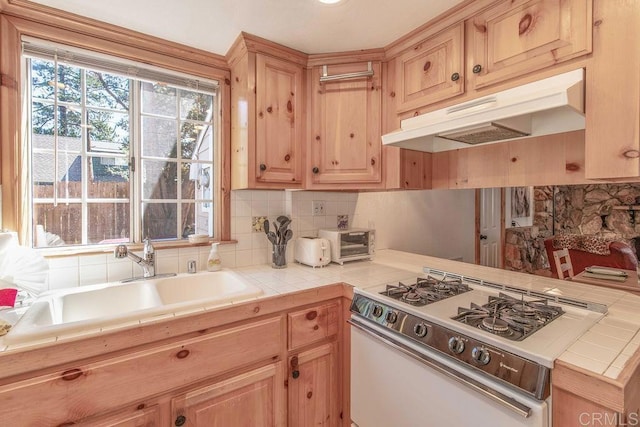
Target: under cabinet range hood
x=544, y=107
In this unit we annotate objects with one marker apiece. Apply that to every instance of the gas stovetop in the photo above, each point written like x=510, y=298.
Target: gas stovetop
x=538, y=327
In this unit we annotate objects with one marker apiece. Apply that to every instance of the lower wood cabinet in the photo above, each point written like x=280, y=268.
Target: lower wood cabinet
x=314, y=393
x=251, y=399
x=231, y=376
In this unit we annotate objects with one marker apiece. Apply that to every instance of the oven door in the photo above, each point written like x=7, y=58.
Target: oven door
x=396, y=383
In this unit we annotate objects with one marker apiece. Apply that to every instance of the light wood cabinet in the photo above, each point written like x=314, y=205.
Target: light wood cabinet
x=314, y=383
x=612, y=146
x=251, y=399
x=545, y=160
x=433, y=70
x=81, y=390
x=516, y=38
x=345, y=147
x=314, y=390
x=267, y=115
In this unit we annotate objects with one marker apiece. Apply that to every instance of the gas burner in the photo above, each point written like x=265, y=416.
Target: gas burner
x=510, y=317
x=496, y=325
x=426, y=290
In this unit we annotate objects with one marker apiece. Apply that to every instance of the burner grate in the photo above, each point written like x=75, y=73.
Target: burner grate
x=426, y=290
x=510, y=317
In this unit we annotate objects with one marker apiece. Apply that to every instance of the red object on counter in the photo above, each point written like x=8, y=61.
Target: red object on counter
x=8, y=297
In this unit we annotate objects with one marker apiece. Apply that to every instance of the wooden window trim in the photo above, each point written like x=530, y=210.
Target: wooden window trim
x=19, y=17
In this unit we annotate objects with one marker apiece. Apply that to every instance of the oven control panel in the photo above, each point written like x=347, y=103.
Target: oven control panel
x=512, y=369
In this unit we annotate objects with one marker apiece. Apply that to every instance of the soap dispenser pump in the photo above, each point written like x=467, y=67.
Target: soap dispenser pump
x=213, y=262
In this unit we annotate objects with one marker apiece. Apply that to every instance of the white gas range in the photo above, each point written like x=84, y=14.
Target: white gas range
x=491, y=345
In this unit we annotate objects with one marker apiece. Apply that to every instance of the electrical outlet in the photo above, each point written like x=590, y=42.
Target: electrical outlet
x=318, y=207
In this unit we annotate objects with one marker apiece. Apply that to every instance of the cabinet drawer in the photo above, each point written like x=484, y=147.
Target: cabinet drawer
x=77, y=392
x=313, y=324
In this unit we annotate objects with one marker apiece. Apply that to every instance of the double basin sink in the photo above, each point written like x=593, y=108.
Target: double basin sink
x=89, y=308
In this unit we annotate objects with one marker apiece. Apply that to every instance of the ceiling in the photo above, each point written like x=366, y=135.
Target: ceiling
x=305, y=25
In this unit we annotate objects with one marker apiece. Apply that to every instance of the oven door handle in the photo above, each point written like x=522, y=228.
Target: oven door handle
x=489, y=392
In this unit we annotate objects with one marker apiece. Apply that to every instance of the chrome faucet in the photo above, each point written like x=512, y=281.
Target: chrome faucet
x=148, y=260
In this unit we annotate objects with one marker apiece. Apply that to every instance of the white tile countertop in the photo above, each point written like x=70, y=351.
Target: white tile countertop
x=603, y=350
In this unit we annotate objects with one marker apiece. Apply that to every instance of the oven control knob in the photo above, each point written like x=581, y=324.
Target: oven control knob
x=377, y=311
x=420, y=330
x=392, y=316
x=480, y=355
x=456, y=345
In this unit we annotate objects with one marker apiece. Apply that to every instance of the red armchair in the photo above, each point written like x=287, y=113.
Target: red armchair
x=621, y=256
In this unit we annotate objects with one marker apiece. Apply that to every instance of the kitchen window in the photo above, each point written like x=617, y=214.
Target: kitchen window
x=118, y=151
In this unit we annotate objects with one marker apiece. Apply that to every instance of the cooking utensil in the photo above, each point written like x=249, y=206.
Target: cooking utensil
x=272, y=237
x=287, y=236
x=265, y=227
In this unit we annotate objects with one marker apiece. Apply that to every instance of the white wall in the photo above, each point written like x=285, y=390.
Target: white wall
x=439, y=223
x=431, y=222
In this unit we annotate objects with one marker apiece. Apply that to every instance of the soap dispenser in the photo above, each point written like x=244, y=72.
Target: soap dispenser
x=213, y=262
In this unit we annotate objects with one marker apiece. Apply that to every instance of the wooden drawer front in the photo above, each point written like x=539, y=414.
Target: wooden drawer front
x=313, y=324
x=510, y=39
x=432, y=71
x=80, y=391
x=145, y=417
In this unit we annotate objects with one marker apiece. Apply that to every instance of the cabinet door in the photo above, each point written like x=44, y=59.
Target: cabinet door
x=346, y=137
x=279, y=124
x=252, y=399
x=432, y=71
x=515, y=38
x=313, y=387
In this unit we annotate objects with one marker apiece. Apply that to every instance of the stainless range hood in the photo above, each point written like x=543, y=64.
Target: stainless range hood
x=552, y=105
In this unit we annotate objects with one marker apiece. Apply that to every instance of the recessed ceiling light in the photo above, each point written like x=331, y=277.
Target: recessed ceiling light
x=329, y=1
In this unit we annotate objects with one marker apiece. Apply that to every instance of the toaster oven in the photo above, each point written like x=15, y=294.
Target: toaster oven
x=350, y=245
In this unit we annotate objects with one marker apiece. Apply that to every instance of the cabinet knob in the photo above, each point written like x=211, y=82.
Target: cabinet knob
x=477, y=68
x=269, y=109
x=373, y=161
x=631, y=154
x=295, y=374
x=426, y=66
x=263, y=167
x=315, y=170
x=287, y=158
x=180, y=420
x=289, y=106
x=455, y=77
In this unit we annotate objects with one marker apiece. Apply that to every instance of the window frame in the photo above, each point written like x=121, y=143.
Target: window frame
x=110, y=40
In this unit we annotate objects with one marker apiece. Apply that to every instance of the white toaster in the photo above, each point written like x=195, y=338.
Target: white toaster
x=312, y=251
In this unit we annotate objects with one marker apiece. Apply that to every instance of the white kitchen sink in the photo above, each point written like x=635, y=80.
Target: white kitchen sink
x=89, y=308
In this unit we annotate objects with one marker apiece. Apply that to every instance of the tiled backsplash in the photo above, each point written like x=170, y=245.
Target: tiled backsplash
x=252, y=248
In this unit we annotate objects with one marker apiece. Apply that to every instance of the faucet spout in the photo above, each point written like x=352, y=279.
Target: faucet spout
x=147, y=261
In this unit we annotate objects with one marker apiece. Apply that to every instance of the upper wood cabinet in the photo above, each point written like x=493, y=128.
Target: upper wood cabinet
x=612, y=147
x=345, y=146
x=433, y=70
x=516, y=38
x=267, y=115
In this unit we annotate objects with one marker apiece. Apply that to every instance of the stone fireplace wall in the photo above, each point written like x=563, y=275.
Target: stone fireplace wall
x=595, y=209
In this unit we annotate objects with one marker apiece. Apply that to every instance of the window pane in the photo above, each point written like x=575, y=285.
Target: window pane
x=69, y=84
x=195, y=106
x=43, y=120
x=43, y=175
x=107, y=91
x=198, y=218
x=159, y=180
x=42, y=80
x=159, y=220
x=108, y=178
x=159, y=137
x=197, y=181
x=109, y=223
x=62, y=224
x=108, y=131
x=159, y=100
